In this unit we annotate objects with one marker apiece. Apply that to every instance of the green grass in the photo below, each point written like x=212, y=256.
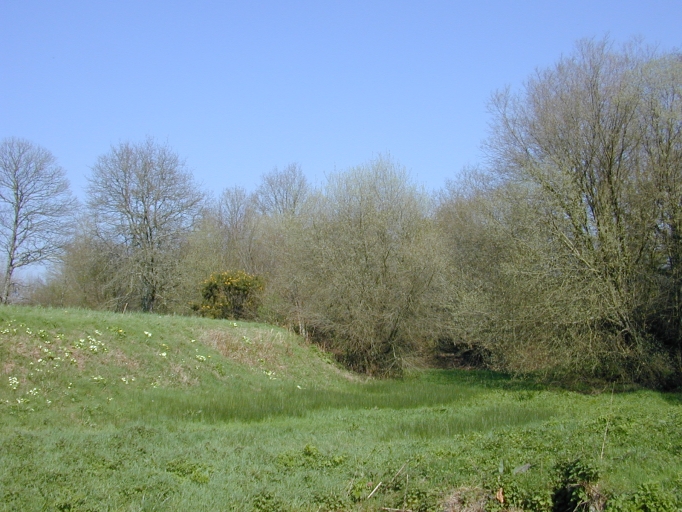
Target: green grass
x=102, y=411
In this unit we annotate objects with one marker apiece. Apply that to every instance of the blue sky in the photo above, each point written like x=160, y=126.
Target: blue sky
x=237, y=88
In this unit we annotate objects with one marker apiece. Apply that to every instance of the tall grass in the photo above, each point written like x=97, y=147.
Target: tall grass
x=274, y=399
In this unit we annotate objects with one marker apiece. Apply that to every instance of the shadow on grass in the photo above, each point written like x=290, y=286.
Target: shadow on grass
x=532, y=382
x=673, y=398
x=482, y=379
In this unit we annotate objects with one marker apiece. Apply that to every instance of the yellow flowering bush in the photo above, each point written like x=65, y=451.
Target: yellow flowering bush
x=235, y=295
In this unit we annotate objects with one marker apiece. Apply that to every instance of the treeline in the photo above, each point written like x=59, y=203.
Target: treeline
x=560, y=255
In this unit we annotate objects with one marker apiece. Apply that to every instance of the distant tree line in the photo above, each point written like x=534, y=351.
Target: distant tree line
x=560, y=255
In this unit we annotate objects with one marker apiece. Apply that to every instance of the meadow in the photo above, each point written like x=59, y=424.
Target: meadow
x=104, y=411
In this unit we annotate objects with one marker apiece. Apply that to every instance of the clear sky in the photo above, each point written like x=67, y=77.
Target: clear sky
x=239, y=87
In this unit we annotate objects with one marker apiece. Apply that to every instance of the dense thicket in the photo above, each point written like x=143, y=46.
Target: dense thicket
x=365, y=272
x=562, y=254
x=579, y=219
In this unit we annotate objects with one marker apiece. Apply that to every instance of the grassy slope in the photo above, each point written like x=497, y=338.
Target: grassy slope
x=101, y=411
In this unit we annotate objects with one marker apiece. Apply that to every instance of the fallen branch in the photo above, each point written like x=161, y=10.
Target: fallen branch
x=375, y=490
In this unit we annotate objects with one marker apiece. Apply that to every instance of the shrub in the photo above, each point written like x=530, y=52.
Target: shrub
x=576, y=487
x=648, y=498
x=235, y=295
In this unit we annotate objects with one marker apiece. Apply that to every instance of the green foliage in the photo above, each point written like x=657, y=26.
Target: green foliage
x=310, y=457
x=330, y=502
x=185, y=469
x=138, y=422
x=648, y=498
x=420, y=499
x=265, y=501
x=516, y=495
x=235, y=295
x=576, y=486
x=359, y=489
x=513, y=489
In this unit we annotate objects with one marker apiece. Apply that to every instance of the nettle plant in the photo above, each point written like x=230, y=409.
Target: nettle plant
x=235, y=295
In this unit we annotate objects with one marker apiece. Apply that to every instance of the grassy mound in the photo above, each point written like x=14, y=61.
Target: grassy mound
x=102, y=411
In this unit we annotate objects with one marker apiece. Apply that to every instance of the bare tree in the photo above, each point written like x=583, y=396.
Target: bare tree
x=35, y=207
x=282, y=192
x=144, y=202
x=238, y=220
